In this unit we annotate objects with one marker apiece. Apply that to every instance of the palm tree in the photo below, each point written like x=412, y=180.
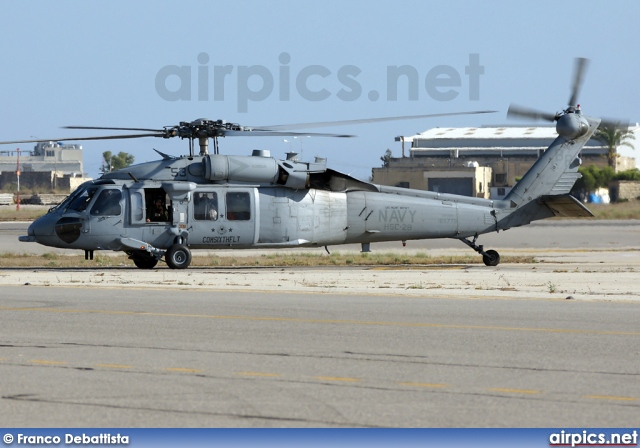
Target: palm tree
x=612, y=135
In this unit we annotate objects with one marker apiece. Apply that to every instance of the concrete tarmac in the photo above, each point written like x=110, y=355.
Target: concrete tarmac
x=552, y=343
x=173, y=356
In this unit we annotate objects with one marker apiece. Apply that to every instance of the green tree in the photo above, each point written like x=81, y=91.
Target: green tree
x=613, y=136
x=112, y=162
x=633, y=175
x=594, y=177
x=386, y=158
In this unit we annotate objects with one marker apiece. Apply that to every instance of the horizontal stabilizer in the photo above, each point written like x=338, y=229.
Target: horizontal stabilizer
x=566, y=206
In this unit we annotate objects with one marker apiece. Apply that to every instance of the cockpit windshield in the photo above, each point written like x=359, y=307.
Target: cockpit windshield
x=78, y=200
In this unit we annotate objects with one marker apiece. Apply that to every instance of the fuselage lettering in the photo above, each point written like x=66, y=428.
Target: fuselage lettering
x=220, y=240
x=396, y=214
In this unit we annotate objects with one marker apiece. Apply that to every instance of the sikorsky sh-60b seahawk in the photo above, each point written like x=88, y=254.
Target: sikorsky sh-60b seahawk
x=164, y=209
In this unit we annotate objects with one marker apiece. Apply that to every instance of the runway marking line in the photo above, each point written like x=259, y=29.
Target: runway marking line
x=182, y=369
x=514, y=391
x=341, y=379
x=114, y=366
x=611, y=397
x=46, y=362
x=332, y=321
x=337, y=378
x=427, y=385
x=260, y=374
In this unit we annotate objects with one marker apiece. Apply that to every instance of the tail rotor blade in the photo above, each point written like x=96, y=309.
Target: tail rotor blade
x=578, y=77
x=516, y=111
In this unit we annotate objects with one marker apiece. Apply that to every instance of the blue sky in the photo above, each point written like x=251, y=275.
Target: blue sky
x=99, y=64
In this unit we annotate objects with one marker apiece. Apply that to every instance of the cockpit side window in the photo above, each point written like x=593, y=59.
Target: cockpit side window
x=81, y=201
x=107, y=203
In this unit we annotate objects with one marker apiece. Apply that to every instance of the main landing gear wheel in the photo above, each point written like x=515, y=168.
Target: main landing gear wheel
x=144, y=260
x=491, y=258
x=178, y=257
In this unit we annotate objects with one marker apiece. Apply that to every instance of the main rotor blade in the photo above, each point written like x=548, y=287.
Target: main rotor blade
x=578, y=77
x=111, y=129
x=322, y=124
x=266, y=133
x=516, y=111
x=67, y=139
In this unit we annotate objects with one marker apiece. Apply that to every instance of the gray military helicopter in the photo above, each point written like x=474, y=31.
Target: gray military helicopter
x=164, y=209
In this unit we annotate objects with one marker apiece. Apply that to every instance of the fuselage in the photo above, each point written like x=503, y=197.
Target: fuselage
x=108, y=214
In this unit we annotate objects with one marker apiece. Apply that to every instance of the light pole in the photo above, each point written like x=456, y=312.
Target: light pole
x=18, y=177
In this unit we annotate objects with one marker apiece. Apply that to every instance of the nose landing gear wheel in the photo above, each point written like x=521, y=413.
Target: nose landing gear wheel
x=178, y=257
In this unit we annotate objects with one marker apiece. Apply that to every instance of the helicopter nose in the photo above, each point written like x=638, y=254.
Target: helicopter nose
x=41, y=227
x=41, y=230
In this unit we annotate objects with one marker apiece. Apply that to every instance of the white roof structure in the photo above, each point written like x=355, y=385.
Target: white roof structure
x=506, y=140
x=546, y=132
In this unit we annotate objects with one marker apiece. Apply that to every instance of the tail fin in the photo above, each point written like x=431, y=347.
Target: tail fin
x=544, y=190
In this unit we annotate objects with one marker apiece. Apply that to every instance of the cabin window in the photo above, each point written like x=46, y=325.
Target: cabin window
x=108, y=203
x=238, y=207
x=205, y=206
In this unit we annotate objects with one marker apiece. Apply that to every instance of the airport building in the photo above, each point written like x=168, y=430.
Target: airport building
x=48, y=166
x=481, y=162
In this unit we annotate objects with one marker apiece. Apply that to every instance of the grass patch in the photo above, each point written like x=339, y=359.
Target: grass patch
x=620, y=210
x=9, y=213
x=13, y=260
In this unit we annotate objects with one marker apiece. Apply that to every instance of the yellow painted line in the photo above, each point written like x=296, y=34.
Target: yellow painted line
x=429, y=385
x=425, y=267
x=48, y=363
x=337, y=378
x=611, y=397
x=114, y=366
x=514, y=391
x=261, y=374
x=332, y=321
x=182, y=369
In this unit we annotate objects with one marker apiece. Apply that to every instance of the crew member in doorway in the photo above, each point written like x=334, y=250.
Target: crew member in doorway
x=157, y=212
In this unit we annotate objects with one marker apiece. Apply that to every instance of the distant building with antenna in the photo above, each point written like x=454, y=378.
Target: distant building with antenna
x=48, y=166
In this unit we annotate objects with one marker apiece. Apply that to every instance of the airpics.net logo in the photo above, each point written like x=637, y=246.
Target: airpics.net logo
x=253, y=83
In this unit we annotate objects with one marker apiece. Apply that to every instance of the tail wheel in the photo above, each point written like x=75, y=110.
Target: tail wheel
x=491, y=258
x=178, y=257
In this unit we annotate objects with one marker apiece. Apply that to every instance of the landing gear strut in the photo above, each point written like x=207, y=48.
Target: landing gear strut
x=489, y=257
